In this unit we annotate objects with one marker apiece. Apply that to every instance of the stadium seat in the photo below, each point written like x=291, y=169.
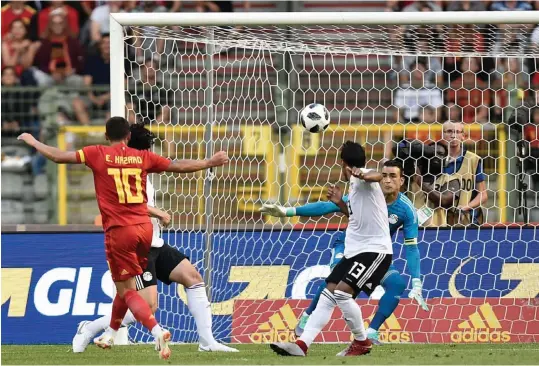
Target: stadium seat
x=13, y=211
x=12, y=185
x=41, y=187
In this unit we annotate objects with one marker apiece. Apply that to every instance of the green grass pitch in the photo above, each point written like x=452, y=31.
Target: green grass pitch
x=473, y=354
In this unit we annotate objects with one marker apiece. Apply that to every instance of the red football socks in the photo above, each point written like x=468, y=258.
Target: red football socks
x=119, y=308
x=140, y=309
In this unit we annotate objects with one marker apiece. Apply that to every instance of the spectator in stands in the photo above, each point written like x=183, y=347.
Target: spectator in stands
x=57, y=7
x=10, y=113
x=220, y=6
x=423, y=40
x=97, y=72
x=453, y=112
x=18, y=106
x=146, y=97
x=420, y=5
x=456, y=196
x=471, y=93
x=17, y=50
x=15, y=10
x=396, y=5
x=145, y=45
x=514, y=82
x=414, y=94
x=511, y=37
x=466, y=5
x=100, y=20
x=57, y=46
x=510, y=5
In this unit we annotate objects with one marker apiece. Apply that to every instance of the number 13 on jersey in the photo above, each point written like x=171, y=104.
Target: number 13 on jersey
x=123, y=187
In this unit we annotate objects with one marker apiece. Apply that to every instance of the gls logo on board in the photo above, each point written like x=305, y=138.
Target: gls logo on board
x=74, y=289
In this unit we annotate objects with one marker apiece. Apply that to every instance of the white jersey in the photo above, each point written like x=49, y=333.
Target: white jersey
x=368, y=225
x=157, y=242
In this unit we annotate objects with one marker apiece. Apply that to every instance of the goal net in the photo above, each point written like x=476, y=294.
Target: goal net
x=240, y=88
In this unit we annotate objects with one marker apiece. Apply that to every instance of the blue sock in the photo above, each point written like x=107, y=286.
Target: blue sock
x=394, y=287
x=313, y=304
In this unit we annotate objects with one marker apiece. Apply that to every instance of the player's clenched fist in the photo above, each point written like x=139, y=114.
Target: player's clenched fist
x=356, y=172
x=165, y=219
x=334, y=194
x=218, y=159
x=26, y=137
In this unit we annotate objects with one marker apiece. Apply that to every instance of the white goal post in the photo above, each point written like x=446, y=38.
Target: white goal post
x=265, y=67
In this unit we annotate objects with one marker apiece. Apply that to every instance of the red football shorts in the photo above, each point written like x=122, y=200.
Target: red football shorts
x=127, y=248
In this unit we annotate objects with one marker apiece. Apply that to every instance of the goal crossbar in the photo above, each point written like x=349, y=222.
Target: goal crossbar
x=320, y=18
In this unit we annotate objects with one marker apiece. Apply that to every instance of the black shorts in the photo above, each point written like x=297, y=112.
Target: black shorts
x=161, y=261
x=362, y=272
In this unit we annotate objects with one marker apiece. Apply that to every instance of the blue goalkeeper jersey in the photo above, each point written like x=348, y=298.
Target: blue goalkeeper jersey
x=401, y=213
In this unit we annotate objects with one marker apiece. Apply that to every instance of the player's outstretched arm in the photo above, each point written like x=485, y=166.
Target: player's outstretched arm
x=313, y=209
x=191, y=166
x=50, y=152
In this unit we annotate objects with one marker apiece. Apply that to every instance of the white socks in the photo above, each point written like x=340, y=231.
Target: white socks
x=319, y=318
x=99, y=325
x=200, y=308
x=157, y=331
x=351, y=313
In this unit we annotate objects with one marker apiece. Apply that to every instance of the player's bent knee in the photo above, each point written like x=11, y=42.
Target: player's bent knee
x=394, y=283
x=186, y=274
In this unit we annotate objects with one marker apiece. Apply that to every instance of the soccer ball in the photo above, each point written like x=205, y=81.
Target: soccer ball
x=314, y=117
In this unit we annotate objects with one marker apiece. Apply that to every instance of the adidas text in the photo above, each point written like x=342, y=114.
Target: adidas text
x=388, y=336
x=478, y=335
x=273, y=336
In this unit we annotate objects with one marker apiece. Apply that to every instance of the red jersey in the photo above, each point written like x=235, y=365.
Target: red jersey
x=120, y=181
x=9, y=15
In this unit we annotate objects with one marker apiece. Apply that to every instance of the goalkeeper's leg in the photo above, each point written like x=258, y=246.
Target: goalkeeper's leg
x=394, y=287
x=336, y=255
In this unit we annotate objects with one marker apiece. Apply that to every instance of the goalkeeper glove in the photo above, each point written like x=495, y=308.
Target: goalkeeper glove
x=277, y=211
x=416, y=293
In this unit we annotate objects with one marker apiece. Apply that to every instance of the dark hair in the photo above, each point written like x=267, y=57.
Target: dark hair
x=141, y=137
x=394, y=164
x=353, y=154
x=117, y=128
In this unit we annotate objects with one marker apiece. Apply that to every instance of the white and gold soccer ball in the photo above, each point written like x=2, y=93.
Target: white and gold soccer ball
x=314, y=117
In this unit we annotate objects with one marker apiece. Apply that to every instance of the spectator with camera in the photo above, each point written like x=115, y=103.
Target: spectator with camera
x=453, y=196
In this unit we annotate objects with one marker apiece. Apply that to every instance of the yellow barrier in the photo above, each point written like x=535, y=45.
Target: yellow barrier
x=255, y=143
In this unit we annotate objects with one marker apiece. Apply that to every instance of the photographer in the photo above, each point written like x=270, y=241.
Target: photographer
x=452, y=193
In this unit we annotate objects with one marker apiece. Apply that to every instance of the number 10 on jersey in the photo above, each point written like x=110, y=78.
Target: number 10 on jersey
x=123, y=187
